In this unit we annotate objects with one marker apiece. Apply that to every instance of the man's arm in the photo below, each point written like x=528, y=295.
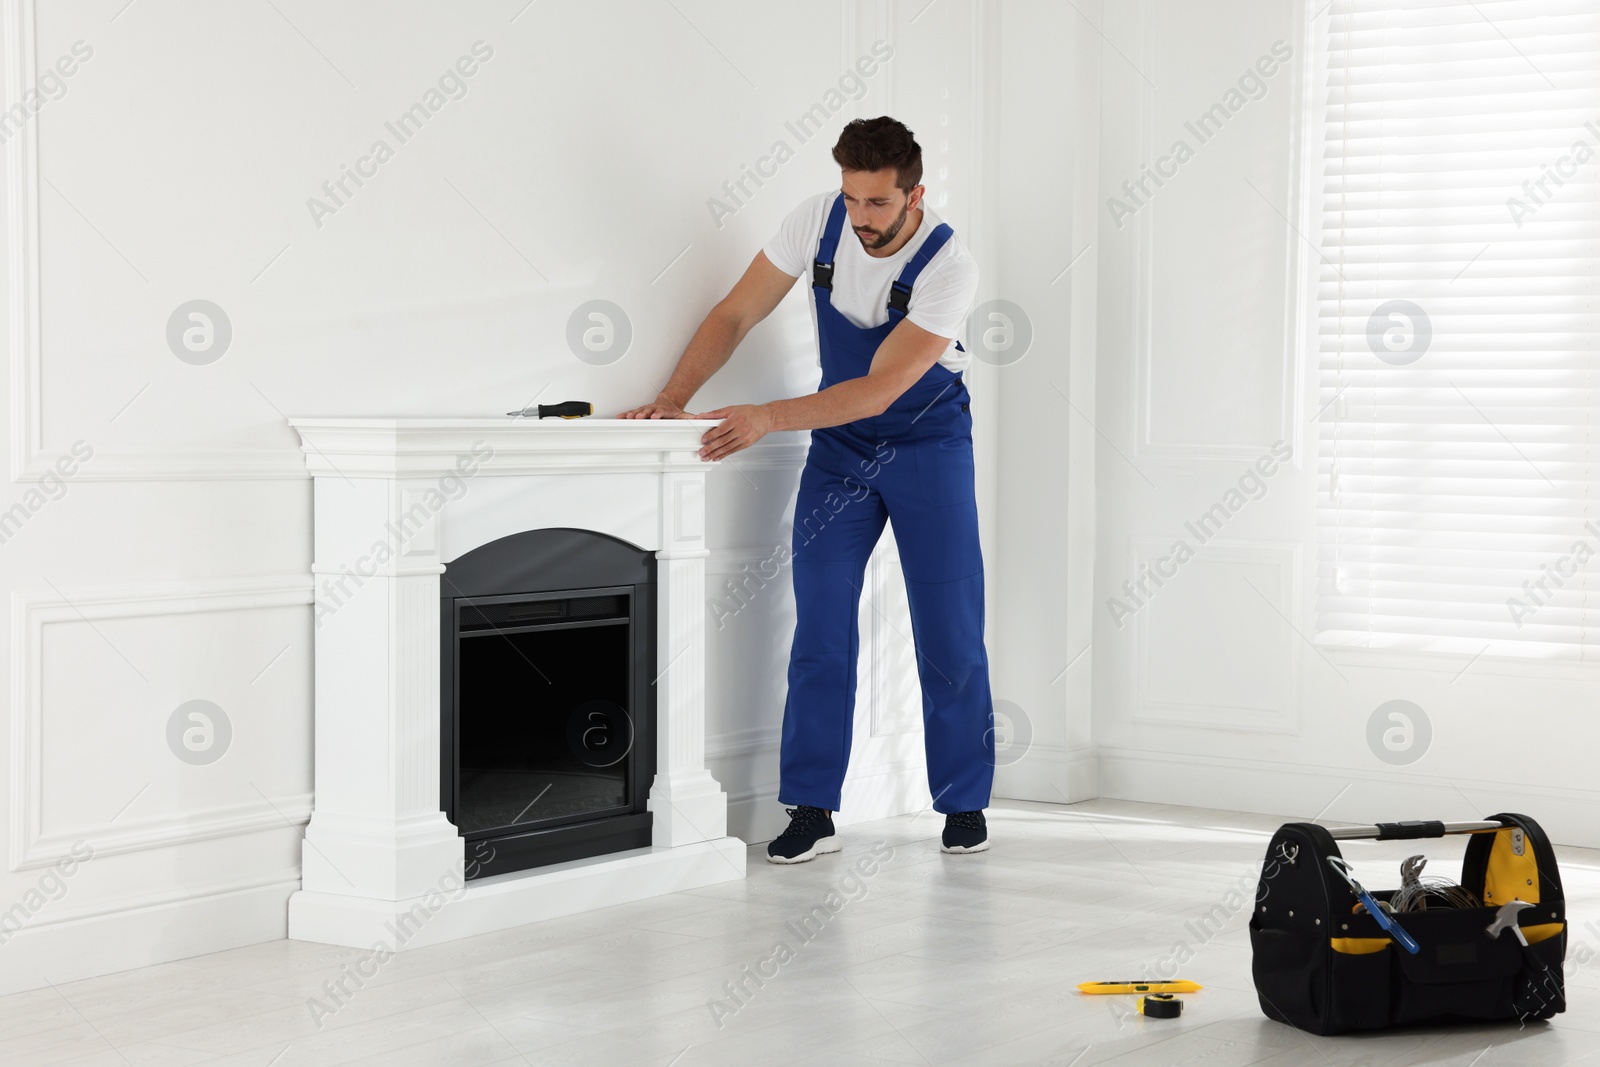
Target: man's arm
x=904, y=357
x=751, y=300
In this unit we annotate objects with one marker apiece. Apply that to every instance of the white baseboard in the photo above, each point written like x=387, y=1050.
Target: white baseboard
x=898, y=789
x=755, y=815
x=1050, y=775
x=504, y=901
x=104, y=942
x=1046, y=774
x=1336, y=794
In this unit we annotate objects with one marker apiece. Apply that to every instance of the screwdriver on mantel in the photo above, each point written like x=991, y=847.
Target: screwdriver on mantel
x=567, y=409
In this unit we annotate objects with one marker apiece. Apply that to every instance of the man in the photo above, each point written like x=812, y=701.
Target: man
x=891, y=440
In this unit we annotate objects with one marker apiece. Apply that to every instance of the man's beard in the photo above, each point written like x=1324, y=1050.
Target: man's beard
x=887, y=235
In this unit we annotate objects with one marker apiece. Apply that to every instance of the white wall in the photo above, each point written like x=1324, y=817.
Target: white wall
x=1211, y=693
x=1045, y=156
x=174, y=566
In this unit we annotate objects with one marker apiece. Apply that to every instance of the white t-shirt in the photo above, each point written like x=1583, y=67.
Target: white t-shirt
x=941, y=297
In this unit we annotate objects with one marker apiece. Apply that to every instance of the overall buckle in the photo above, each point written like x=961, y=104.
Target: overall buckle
x=899, y=297
x=821, y=275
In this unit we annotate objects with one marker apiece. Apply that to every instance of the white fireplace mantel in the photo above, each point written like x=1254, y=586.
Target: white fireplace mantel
x=394, y=501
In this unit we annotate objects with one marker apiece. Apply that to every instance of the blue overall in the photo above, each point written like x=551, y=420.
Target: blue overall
x=911, y=465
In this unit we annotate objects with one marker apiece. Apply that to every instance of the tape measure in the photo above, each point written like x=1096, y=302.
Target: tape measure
x=1136, y=986
x=1160, y=1006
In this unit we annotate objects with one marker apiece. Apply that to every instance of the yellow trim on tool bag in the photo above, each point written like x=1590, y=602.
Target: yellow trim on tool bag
x=1508, y=876
x=1542, y=932
x=1359, y=946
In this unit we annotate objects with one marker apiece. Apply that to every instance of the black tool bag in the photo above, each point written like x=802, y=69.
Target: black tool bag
x=1321, y=963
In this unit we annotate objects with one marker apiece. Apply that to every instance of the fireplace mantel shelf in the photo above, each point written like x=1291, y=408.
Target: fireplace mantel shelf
x=418, y=447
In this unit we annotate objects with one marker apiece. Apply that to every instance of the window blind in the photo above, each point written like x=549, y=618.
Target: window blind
x=1455, y=296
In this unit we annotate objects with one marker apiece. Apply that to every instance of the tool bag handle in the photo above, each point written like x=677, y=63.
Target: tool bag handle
x=1410, y=831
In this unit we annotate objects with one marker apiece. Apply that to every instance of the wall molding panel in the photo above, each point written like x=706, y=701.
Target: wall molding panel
x=1282, y=718
x=29, y=459
x=29, y=845
x=22, y=225
x=1143, y=304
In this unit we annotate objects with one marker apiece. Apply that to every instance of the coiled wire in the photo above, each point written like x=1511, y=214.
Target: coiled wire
x=1417, y=893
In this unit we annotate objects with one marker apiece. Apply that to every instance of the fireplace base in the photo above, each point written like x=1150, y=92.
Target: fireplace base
x=506, y=900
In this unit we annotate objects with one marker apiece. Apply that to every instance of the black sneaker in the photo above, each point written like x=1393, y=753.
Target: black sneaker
x=965, y=831
x=810, y=834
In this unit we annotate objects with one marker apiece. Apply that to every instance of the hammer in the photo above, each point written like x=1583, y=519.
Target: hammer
x=1506, y=919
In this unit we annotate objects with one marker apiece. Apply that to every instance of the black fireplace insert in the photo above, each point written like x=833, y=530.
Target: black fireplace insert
x=547, y=724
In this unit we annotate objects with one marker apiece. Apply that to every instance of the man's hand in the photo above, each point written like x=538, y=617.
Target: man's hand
x=750, y=301
x=742, y=426
x=659, y=408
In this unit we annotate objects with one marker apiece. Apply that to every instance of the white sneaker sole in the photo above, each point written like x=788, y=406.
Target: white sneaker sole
x=982, y=846
x=823, y=846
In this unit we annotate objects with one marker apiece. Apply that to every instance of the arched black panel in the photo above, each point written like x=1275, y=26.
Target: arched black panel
x=586, y=579
x=537, y=561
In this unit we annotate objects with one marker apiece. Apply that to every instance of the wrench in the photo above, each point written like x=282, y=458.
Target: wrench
x=1392, y=928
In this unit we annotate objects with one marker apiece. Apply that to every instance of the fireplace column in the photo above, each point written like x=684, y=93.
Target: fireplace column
x=687, y=803
x=377, y=831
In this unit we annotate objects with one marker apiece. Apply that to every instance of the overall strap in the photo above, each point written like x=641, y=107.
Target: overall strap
x=900, y=289
x=822, y=266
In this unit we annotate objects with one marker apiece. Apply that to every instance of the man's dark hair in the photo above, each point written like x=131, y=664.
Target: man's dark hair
x=878, y=144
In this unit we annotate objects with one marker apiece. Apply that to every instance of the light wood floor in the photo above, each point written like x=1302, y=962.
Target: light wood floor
x=929, y=959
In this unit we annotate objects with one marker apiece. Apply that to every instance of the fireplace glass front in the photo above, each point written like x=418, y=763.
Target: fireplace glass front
x=547, y=702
